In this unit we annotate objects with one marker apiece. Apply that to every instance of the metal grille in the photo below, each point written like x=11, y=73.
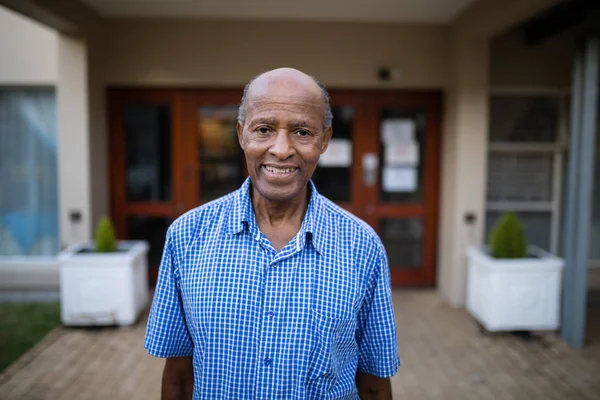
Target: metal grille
x=520, y=177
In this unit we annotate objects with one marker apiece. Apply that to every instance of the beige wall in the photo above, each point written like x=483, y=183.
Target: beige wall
x=544, y=65
x=464, y=170
x=27, y=51
x=73, y=138
x=211, y=53
x=82, y=135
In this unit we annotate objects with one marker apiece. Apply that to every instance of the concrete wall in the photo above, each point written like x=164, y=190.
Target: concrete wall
x=74, y=169
x=83, y=154
x=544, y=65
x=28, y=51
x=464, y=163
x=229, y=53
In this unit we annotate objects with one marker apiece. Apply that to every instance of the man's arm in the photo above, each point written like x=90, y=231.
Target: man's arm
x=178, y=379
x=371, y=387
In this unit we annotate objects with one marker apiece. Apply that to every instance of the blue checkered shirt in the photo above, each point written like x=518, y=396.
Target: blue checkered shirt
x=262, y=324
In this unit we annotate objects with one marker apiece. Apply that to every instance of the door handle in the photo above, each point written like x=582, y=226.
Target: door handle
x=370, y=166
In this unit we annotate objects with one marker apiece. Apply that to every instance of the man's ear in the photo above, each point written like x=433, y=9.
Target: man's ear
x=240, y=131
x=326, y=138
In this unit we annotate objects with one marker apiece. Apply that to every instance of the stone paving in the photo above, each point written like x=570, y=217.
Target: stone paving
x=444, y=356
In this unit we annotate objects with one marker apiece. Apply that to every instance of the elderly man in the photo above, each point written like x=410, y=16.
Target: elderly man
x=273, y=291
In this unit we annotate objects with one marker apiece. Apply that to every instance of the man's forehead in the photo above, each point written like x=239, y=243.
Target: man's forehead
x=302, y=105
x=283, y=99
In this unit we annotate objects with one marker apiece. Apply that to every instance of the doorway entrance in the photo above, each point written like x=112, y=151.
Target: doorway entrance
x=173, y=150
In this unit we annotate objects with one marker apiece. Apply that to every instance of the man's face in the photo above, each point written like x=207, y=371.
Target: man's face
x=283, y=136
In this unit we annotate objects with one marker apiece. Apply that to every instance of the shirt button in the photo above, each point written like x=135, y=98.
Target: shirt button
x=271, y=313
x=267, y=361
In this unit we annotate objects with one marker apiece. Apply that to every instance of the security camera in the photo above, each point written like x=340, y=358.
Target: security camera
x=386, y=74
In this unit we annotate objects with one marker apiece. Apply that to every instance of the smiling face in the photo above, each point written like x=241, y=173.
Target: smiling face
x=283, y=134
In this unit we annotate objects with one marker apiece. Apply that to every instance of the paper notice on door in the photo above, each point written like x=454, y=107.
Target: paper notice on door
x=405, y=153
x=399, y=179
x=397, y=131
x=338, y=154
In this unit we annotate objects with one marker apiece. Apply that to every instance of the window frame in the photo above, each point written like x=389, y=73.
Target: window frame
x=557, y=150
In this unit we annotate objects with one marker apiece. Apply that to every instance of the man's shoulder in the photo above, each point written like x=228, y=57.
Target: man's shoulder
x=197, y=219
x=343, y=222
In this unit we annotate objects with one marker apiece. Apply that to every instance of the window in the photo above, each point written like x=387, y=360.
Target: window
x=28, y=172
x=524, y=119
x=525, y=164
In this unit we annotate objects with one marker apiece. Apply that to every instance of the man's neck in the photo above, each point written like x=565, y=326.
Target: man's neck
x=272, y=214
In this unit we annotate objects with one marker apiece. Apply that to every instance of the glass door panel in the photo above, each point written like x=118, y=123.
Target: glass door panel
x=213, y=161
x=221, y=159
x=148, y=155
x=333, y=176
x=402, y=155
x=403, y=241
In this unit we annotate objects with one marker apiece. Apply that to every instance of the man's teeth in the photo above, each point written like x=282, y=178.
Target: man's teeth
x=280, y=170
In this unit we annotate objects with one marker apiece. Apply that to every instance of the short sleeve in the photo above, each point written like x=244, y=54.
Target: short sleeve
x=376, y=336
x=167, y=334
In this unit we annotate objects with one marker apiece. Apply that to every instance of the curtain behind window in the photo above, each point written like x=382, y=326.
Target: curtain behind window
x=28, y=172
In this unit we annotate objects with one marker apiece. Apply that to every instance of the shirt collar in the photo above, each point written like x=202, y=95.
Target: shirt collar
x=241, y=215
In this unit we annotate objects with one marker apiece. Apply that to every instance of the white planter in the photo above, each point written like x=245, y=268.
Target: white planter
x=103, y=288
x=515, y=294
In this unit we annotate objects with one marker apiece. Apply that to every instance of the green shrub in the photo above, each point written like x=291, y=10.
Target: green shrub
x=507, y=239
x=105, y=237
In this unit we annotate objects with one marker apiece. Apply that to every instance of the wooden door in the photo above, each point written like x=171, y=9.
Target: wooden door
x=147, y=186
x=402, y=204
x=398, y=135
x=173, y=150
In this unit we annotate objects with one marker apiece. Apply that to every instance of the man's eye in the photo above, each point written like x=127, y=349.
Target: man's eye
x=262, y=130
x=302, y=132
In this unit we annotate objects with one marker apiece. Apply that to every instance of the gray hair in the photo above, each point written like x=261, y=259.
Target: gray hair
x=328, y=113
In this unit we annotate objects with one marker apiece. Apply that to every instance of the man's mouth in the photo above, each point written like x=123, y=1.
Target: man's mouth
x=278, y=170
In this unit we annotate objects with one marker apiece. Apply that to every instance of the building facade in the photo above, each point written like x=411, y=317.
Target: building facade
x=444, y=117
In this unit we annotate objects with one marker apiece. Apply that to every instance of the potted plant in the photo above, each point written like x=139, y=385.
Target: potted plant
x=103, y=282
x=513, y=286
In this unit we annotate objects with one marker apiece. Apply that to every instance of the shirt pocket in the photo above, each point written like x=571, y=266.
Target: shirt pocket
x=333, y=350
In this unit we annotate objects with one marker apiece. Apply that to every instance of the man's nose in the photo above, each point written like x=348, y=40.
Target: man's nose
x=282, y=146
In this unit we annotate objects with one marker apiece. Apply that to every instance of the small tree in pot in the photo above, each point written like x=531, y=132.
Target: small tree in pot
x=105, y=281
x=105, y=237
x=507, y=240
x=513, y=286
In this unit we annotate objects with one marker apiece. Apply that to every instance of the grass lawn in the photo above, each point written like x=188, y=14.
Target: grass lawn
x=23, y=325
